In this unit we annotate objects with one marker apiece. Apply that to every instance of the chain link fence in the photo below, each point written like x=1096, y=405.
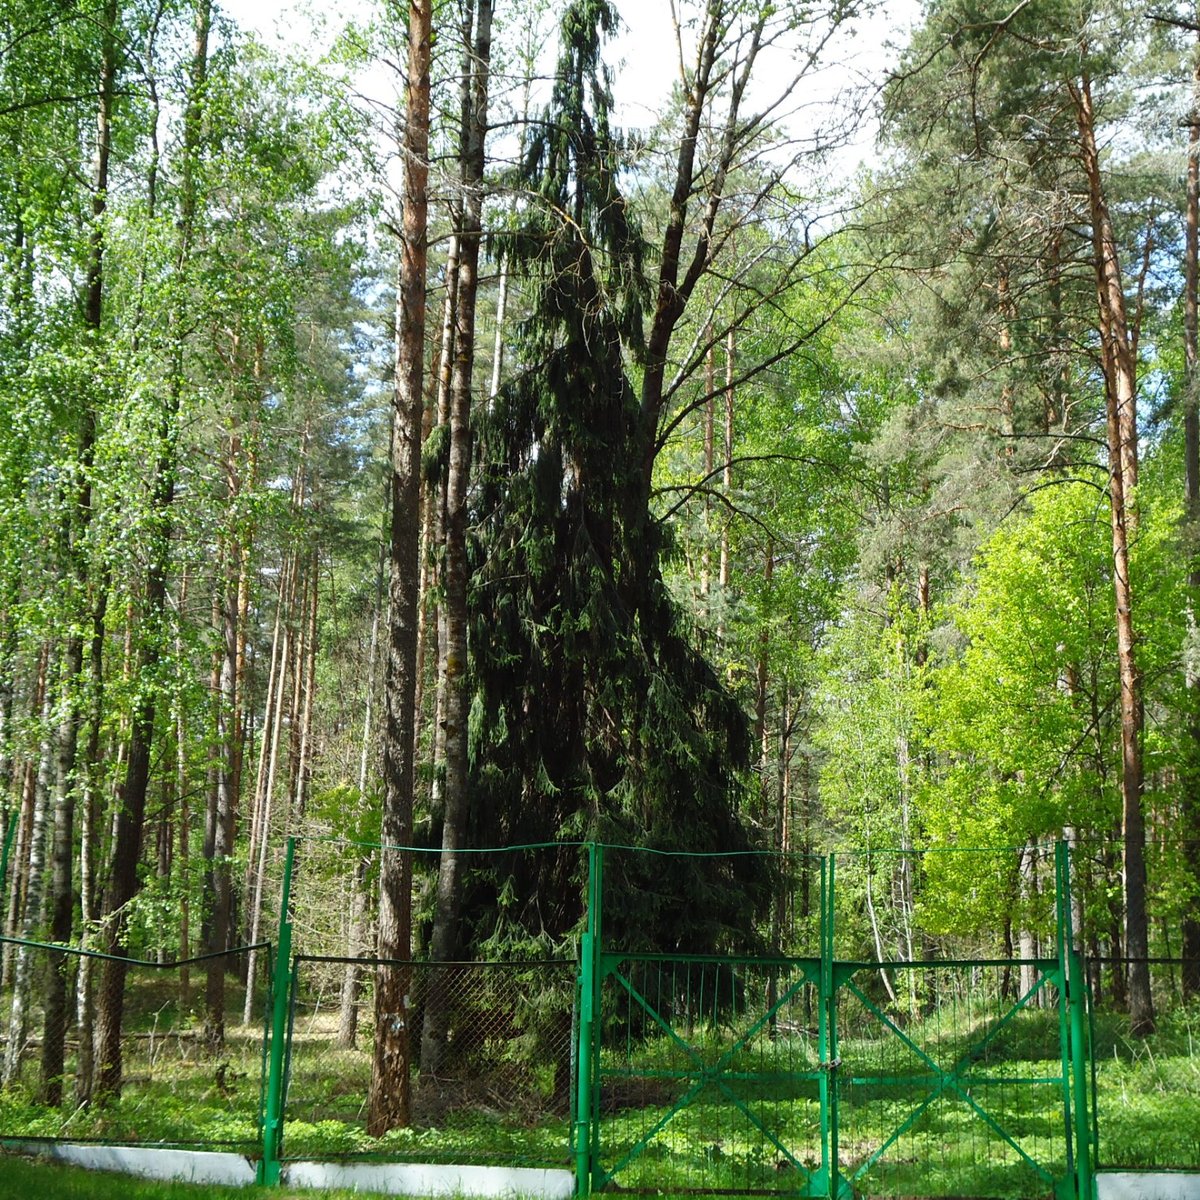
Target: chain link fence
x=1146, y=1109
x=492, y=1060
x=186, y=1077
x=816, y=1025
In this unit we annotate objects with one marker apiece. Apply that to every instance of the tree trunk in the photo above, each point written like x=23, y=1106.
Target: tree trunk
x=61, y=896
x=54, y=1023
x=88, y=836
x=131, y=802
x=1121, y=395
x=181, y=786
x=389, y=1099
x=1026, y=895
x=762, y=678
x=217, y=818
x=444, y=937
x=22, y=978
x=727, y=471
x=1190, y=806
x=498, y=347
x=269, y=765
x=356, y=933
x=710, y=413
x=309, y=668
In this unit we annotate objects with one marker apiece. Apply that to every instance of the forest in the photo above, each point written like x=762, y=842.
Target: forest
x=455, y=464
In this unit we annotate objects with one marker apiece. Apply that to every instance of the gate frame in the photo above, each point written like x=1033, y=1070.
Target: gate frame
x=832, y=974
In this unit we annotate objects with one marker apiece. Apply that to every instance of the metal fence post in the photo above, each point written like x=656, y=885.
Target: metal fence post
x=587, y=1133
x=1073, y=1030
x=1079, y=1042
x=831, y=1034
x=268, y=1167
x=827, y=1044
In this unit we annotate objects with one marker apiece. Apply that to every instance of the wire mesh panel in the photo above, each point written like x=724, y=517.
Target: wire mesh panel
x=709, y=1074
x=491, y=1077
x=958, y=1093
x=1147, y=1089
x=190, y=1071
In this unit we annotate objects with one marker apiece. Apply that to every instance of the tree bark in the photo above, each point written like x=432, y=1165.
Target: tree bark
x=268, y=765
x=727, y=470
x=389, y=1098
x=61, y=894
x=218, y=814
x=444, y=936
x=22, y=977
x=1121, y=396
x=356, y=932
x=131, y=802
x=710, y=377
x=1190, y=806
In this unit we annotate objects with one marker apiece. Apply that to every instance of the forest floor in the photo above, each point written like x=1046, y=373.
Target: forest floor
x=755, y=1125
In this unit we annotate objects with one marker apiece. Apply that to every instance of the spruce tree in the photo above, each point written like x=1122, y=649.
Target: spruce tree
x=594, y=714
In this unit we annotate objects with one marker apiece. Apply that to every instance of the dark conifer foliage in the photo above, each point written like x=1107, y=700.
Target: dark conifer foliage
x=594, y=713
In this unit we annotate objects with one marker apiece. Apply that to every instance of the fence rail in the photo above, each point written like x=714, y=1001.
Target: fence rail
x=819, y=1068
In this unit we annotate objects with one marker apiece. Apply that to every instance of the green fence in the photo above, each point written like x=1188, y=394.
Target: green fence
x=842, y=1044
x=817, y=1075
x=180, y=1084
x=501, y=1094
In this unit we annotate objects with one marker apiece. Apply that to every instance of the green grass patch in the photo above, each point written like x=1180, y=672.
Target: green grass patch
x=33, y=1179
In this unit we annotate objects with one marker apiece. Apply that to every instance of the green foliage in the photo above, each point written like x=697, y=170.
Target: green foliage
x=594, y=713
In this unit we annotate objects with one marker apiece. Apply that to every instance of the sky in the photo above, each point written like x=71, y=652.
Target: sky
x=642, y=54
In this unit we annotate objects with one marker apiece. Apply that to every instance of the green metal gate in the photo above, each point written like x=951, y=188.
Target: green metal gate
x=794, y=1076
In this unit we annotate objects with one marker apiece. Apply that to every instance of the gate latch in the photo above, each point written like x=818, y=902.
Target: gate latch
x=831, y=1065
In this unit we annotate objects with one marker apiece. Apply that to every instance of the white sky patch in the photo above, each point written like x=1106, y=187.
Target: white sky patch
x=645, y=60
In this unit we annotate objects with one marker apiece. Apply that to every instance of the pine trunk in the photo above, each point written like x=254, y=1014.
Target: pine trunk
x=390, y=1093
x=1121, y=396
x=1190, y=806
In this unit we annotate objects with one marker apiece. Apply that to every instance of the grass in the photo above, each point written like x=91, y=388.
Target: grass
x=36, y=1180
x=1148, y=1092
x=752, y=1113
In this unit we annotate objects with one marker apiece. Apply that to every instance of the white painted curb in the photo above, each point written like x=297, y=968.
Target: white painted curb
x=1147, y=1185
x=425, y=1179
x=396, y=1179
x=187, y=1166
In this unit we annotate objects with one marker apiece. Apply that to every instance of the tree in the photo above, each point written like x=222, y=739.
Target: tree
x=389, y=1099
x=637, y=740
x=445, y=931
x=1024, y=81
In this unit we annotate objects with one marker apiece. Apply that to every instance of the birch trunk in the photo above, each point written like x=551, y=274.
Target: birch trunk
x=22, y=971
